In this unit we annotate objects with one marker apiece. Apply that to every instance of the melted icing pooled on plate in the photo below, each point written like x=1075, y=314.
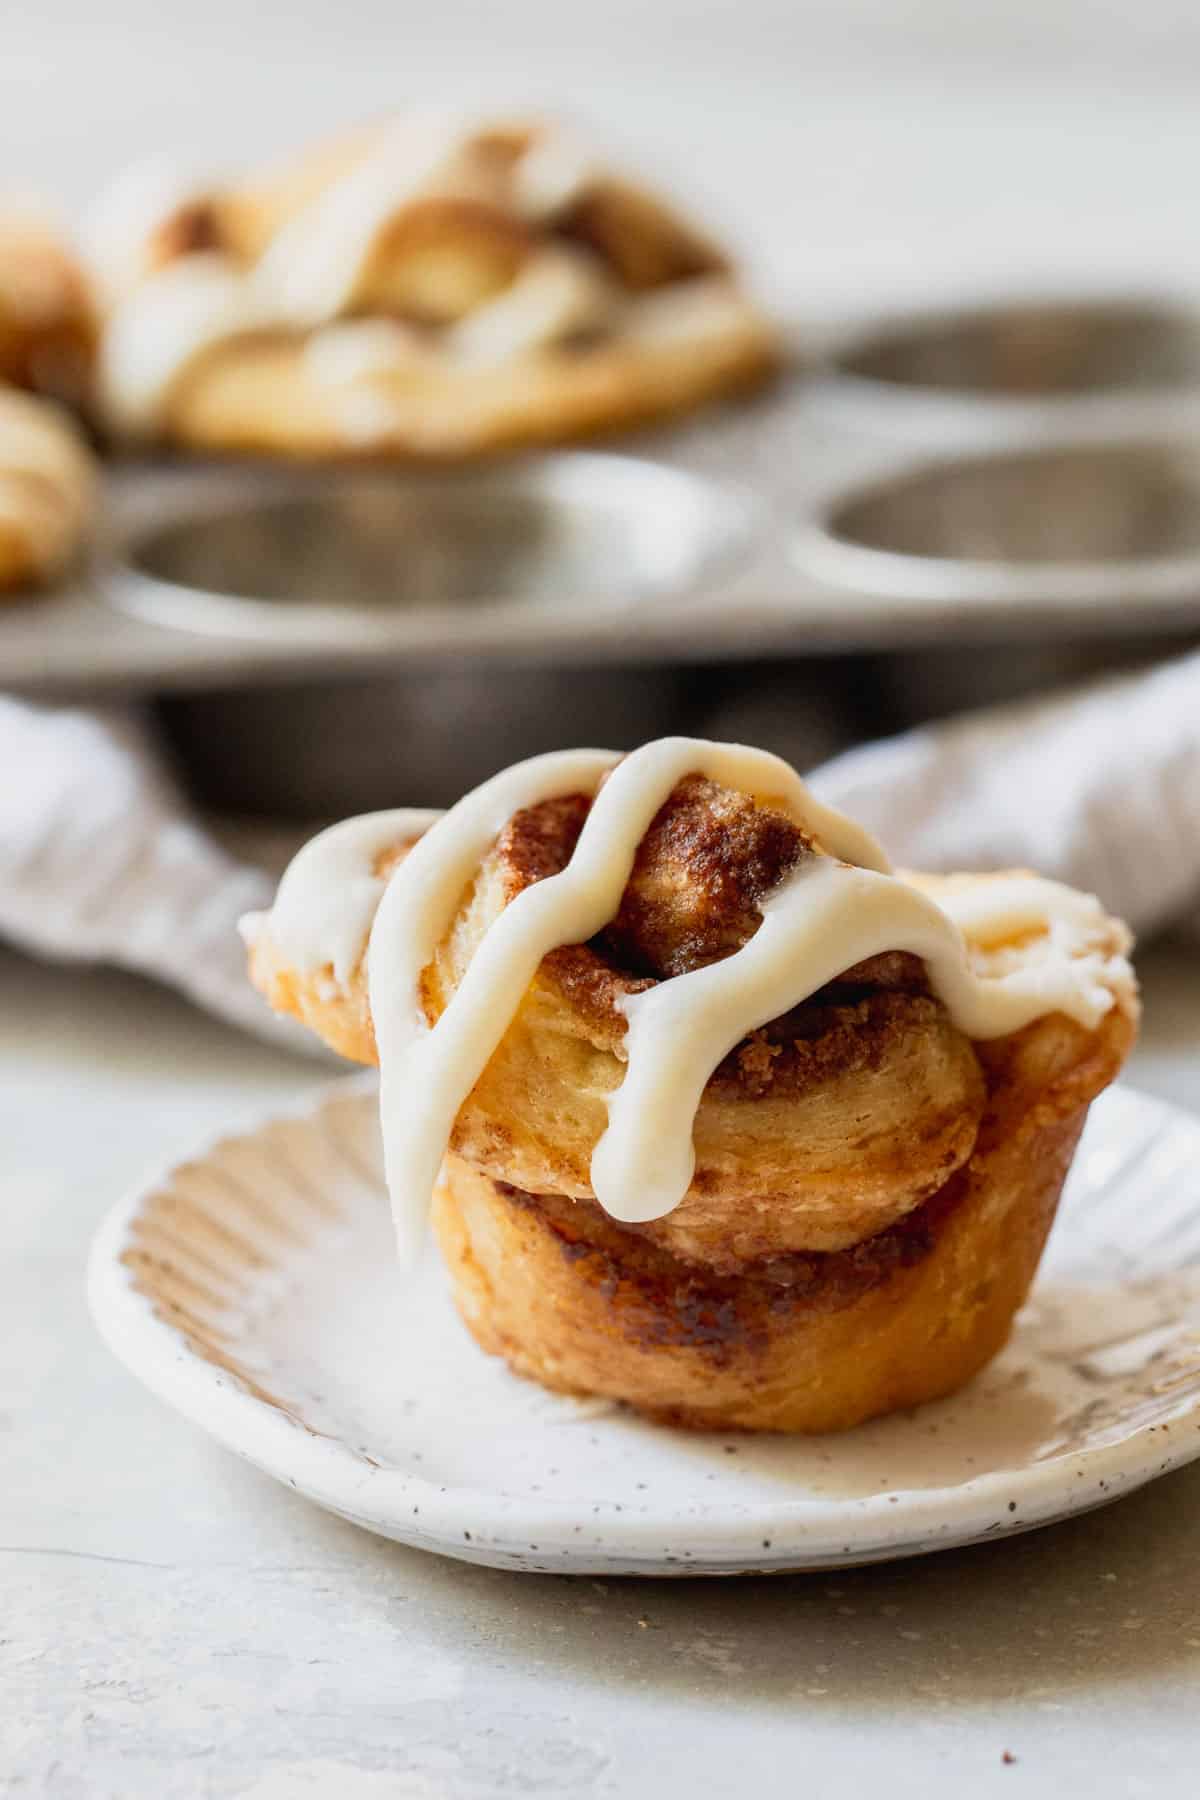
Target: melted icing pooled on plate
x=841, y=906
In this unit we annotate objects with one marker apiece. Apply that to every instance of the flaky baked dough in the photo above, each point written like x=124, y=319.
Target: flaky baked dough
x=47, y=487
x=47, y=322
x=47, y=337
x=261, y=396
x=810, y=1344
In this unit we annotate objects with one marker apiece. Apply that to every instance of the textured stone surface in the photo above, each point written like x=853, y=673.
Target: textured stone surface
x=174, y=1625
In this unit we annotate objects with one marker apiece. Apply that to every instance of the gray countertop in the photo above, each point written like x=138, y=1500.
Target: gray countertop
x=174, y=1624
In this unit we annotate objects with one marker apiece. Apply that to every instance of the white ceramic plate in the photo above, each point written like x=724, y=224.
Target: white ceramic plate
x=254, y=1289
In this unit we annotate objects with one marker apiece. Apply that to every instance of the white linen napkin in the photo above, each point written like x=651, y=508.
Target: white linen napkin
x=1098, y=786
x=102, y=860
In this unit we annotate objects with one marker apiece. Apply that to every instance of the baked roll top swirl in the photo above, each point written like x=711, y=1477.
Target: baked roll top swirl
x=688, y=1040
x=427, y=285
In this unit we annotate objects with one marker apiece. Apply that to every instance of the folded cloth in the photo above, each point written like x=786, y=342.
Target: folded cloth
x=102, y=859
x=1098, y=786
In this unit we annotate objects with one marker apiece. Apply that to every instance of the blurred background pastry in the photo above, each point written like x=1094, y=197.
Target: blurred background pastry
x=47, y=319
x=47, y=334
x=47, y=490
x=430, y=285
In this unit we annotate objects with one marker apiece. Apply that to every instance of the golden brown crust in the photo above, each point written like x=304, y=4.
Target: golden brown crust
x=46, y=492
x=190, y=230
x=261, y=396
x=644, y=244
x=47, y=325
x=708, y=860
x=441, y=258
x=802, y=1343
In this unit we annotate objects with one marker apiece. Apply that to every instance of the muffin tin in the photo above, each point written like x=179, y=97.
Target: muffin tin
x=1058, y=498
x=1014, y=364
x=367, y=554
x=1091, y=532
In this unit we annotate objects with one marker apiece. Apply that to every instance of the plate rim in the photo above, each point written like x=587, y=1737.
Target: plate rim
x=723, y=1536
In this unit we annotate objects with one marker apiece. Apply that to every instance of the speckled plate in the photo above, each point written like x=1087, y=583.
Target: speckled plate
x=253, y=1288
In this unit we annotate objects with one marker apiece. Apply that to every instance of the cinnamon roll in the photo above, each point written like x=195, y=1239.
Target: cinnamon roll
x=47, y=489
x=47, y=321
x=47, y=333
x=423, y=287
x=718, y=1115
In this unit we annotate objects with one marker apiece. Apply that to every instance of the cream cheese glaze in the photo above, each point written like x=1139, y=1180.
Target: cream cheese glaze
x=330, y=891
x=560, y=291
x=836, y=909
x=312, y=267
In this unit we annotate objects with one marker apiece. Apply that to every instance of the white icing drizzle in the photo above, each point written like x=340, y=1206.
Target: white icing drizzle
x=822, y=920
x=143, y=199
x=559, y=291
x=685, y=312
x=310, y=270
x=328, y=897
x=353, y=350
x=1006, y=905
x=835, y=910
x=554, y=173
x=160, y=330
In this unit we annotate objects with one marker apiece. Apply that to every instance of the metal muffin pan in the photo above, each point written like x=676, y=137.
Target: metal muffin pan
x=372, y=554
x=1021, y=365
x=1075, y=528
x=768, y=528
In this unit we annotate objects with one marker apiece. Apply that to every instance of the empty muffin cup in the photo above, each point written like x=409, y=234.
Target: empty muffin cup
x=375, y=556
x=989, y=366
x=1057, y=527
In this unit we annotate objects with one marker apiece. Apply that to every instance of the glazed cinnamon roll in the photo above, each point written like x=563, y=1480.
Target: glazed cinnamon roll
x=720, y=1117
x=425, y=287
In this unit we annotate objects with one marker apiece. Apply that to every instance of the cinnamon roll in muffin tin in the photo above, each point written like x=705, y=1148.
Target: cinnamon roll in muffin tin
x=533, y=544
x=1021, y=471
x=762, y=531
